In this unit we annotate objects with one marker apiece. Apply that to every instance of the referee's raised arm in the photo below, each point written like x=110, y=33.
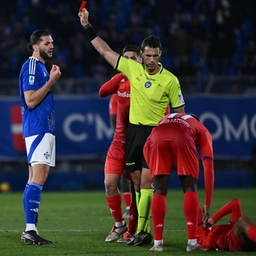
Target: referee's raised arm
x=99, y=44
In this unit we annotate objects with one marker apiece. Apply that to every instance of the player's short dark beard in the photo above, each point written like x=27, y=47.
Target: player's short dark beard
x=44, y=55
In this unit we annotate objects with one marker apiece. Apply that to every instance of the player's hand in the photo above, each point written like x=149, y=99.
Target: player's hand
x=211, y=221
x=84, y=15
x=55, y=73
x=205, y=214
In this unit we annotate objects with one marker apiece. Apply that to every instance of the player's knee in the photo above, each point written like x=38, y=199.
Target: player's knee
x=109, y=185
x=136, y=181
x=145, y=184
x=160, y=184
x=236, y=206
x=237, y=202
x=161, y=191
x=189, y=183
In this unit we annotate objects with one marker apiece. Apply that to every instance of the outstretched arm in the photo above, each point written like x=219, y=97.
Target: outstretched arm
x=99, y=44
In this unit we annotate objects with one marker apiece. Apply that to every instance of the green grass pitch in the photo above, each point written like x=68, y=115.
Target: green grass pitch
x=78, y=222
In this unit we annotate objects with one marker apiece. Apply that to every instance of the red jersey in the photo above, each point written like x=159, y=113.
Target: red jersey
x=113, y=105
x=187, y=130
x=185, y=133
x=120, y=86
x=220, y=237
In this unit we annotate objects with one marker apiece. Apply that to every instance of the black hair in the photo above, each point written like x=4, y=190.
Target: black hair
x=131, y=48
x=36, y=37
x=152, y=42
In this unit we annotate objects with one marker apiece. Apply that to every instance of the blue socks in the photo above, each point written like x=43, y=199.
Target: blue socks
x=31, y=201
x=24, y=196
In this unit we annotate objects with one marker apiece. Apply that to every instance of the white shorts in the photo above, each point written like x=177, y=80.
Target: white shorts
x=41, y=149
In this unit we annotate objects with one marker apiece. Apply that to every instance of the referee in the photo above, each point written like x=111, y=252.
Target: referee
x=153, y=89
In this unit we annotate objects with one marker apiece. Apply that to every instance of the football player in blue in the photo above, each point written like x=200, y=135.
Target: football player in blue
x=38, y=126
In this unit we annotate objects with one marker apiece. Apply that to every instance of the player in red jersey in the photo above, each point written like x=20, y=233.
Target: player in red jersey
x=125, y=183
x=237, y=236
x=174, y=141
x=115, y=160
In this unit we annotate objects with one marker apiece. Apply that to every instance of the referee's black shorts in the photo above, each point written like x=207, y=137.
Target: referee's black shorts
x=136, y=136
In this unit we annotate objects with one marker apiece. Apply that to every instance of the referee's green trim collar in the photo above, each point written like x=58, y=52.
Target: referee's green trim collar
x=161, y=67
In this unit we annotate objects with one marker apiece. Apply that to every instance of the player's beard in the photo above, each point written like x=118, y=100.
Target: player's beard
x=44, y=55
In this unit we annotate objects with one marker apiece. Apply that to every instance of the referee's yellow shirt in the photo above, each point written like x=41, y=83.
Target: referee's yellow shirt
x=150, y=94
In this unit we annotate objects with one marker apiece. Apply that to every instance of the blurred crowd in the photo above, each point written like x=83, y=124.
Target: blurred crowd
x=199, y=37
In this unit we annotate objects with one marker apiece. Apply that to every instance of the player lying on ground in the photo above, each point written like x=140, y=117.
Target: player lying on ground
x=239, y=235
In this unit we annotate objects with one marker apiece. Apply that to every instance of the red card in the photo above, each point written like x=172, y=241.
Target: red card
x=82, y=6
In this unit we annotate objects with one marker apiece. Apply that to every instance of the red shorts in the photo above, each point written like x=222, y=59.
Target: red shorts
x=163, y=154
x=115, y=159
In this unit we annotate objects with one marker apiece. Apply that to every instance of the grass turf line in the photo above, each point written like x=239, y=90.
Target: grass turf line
x=78, y=223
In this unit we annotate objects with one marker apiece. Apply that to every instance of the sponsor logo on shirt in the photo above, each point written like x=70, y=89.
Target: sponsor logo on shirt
x=148, y=84
x=31, y=80
x=123, y=94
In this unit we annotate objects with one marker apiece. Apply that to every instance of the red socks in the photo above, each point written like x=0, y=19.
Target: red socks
x=133, y=219
x=115, y=206
x=127, y=199
x=158, y=214
x=190, y=208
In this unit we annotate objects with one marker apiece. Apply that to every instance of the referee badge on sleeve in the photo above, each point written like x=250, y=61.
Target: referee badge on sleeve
x=181, y=99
